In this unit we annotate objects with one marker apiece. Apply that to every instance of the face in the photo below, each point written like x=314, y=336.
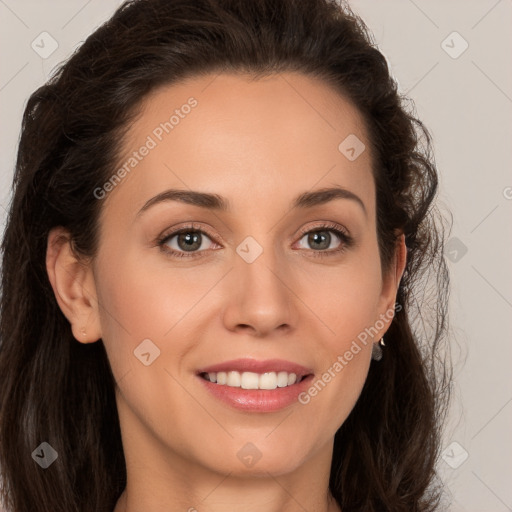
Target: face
x=255, y=276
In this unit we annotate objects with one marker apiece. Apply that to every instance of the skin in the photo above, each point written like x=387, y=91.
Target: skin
x=259, y=146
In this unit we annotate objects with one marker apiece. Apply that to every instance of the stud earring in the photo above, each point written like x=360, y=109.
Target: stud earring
x=377, y=350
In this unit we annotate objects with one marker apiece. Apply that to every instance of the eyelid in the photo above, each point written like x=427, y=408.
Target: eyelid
x=340, y=231
x=325, y=225
x=192, y=226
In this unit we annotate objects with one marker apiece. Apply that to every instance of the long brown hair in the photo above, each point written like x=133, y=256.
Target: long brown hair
x=58, y=390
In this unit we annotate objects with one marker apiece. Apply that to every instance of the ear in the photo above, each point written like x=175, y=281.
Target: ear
x=73, y=284
x=391, y=280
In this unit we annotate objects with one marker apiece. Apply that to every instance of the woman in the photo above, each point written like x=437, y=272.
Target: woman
x=172, y=335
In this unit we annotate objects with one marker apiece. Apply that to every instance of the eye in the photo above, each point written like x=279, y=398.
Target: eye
x=185, y=242
x=323, y=242
x=190, y=241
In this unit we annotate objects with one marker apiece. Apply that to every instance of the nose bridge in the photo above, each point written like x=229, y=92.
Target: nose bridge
x=259, y=264
x=260, y=296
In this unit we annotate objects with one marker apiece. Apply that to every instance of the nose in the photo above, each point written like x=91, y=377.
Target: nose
x=260, y=295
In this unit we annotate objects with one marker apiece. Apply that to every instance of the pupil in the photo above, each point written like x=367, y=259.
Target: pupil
x=191, y=241
x=320, y=236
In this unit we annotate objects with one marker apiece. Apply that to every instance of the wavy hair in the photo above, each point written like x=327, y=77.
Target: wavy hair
x=58, y=390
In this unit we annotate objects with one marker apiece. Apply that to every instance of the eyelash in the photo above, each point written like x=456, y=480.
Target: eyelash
x=346, y=240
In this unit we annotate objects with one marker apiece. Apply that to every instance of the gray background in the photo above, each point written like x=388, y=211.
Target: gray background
x=465, y=99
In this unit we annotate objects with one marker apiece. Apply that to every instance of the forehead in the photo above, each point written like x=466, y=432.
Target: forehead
x=229, y=133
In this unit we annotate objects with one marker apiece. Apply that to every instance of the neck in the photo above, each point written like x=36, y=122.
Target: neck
x=328, y=505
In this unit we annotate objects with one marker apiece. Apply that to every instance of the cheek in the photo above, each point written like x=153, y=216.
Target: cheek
x=347, y=304
x=346, y=299
x=139, y=302
x=171, y=305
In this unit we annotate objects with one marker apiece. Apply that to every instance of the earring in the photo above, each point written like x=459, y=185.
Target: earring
x=377, y=350
x=82, y=331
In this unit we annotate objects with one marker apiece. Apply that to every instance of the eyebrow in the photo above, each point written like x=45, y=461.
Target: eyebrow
x=216, y=202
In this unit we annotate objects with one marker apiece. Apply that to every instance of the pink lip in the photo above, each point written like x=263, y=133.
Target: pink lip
x=257, y=400
x=252, y=365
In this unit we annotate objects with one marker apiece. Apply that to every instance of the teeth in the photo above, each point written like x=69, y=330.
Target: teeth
x=282, y=379
x=268, y=381
x=251, y=380
x=234, y=379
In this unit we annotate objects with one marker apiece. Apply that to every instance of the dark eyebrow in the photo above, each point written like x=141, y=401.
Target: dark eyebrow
x=201, y=199
x=216, y=202
x=325, y=195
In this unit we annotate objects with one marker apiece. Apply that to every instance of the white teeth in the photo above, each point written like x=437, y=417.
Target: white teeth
x=251, y=380
x=282, y=379
x=292, y=379
x=234, y=379
x=268, y=381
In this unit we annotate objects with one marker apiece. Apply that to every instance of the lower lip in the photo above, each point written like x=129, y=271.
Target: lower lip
x=257, y=400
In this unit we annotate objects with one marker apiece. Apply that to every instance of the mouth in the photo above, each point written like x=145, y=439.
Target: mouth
x=253, y=380
x=256, y=386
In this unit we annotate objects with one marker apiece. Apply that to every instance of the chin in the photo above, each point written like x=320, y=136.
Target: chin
x=247, y=460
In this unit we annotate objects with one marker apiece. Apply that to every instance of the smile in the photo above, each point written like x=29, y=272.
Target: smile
x=251, y=380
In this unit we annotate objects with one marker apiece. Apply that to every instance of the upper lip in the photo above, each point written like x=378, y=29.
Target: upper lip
x=253, y=365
